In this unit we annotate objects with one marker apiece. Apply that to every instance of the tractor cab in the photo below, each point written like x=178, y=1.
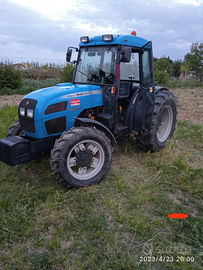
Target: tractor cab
x=123, y=67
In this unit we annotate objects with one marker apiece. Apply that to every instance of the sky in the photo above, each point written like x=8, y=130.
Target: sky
x=42, y=30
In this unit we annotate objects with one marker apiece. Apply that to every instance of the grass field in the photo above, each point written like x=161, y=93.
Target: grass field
x=118, y=223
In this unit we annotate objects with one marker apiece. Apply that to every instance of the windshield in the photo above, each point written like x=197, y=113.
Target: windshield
x=96, y=65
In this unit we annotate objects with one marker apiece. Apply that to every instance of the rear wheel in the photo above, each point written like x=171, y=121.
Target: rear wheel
x=81, y=157
x=163, y=123
x=15, y=130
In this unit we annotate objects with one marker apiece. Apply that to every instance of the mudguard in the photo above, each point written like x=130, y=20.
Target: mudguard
x=91, y=122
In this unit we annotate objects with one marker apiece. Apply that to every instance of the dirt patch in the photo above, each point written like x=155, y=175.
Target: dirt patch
x=190, y=104
x=10, y=100
x=180, y=198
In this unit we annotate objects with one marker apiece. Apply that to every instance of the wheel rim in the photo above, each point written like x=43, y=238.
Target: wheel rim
x=165, y=124
x=85, y=160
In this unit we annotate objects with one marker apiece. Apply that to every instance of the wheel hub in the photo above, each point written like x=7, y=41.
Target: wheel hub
x=84, y=158
x=165, y=124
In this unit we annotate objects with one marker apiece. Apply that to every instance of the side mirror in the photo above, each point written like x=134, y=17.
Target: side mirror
x=126, y=54
x=68, y=55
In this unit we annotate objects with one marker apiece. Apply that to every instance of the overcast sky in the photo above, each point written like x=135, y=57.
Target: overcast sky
x=41, y=30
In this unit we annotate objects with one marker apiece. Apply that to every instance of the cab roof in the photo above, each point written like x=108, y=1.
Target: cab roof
x=128, y=40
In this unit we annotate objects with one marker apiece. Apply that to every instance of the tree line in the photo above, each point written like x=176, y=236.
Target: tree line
x=13, y=78
x=165, y=68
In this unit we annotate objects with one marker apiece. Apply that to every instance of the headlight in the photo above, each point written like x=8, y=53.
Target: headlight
x=84, y=39
x=22, y=111
x=29, y=113
x=107, y=37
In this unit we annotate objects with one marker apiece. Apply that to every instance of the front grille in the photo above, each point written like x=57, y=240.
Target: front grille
x=57, y=125
x=28, y=103
x=27, y=125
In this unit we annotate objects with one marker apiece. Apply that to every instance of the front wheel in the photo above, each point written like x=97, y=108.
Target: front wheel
x=81, y=157
x=163, y=123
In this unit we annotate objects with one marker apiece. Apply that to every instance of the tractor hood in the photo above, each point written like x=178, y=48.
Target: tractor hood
x=62, y=90
x=42, y=110
x=76, y=95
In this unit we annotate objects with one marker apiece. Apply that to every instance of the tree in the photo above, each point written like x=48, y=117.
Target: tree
x=9, y=77
x=163, y=64
x=65, y=73
x=195, y=58
x=161, y=77
x=176, y=67
x=185, y=69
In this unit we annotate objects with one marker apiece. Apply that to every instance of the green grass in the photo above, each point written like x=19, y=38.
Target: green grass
x=177, y=83
x=43, y=225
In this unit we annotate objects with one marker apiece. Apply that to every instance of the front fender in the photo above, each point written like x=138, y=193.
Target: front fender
x=160, y=88
x=94, y=123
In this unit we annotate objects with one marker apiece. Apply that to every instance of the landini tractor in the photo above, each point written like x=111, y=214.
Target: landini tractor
x=112, y=95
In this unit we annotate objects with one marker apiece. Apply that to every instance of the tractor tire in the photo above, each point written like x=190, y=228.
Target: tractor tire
x=15, y=130
x=81, y=157
x=163, y=123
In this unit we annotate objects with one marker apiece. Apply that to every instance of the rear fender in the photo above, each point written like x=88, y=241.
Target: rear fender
x=94, y=123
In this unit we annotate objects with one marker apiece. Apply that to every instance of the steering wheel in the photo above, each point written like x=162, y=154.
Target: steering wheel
x=95, y=78
x=110, y=78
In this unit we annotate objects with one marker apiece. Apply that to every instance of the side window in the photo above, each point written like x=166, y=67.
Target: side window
x=147, y=68
x=109, y=67
x=107, y=62
x=130, y=69
x=148, y=83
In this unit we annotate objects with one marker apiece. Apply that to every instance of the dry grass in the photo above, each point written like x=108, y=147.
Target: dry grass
x=10, y=100
x=190, y=104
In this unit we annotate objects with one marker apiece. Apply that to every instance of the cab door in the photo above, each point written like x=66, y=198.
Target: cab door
x=140, y=108
x=147, y=84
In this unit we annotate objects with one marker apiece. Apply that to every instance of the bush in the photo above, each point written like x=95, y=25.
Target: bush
x=163, y=64
x=65, y=73
x=161, y=77
x=48, y=83
x=9, y=77
x=6, y=91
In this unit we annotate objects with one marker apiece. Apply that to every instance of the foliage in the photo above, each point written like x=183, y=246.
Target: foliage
x=29, y=86
x=195, y=57
x=163, y=64
x=176, y=68
x=66, y=72
x=161, y=77
x=42, y=72
x=185, y=69
x=183, y=84
x=9, y=77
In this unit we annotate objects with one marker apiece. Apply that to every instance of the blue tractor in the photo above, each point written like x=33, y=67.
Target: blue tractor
x=112, y=95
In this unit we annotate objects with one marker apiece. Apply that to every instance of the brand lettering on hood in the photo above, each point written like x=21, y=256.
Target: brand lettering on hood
x=80, y=94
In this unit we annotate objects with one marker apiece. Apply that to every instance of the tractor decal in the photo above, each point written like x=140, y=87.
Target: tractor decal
x=75, y=102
